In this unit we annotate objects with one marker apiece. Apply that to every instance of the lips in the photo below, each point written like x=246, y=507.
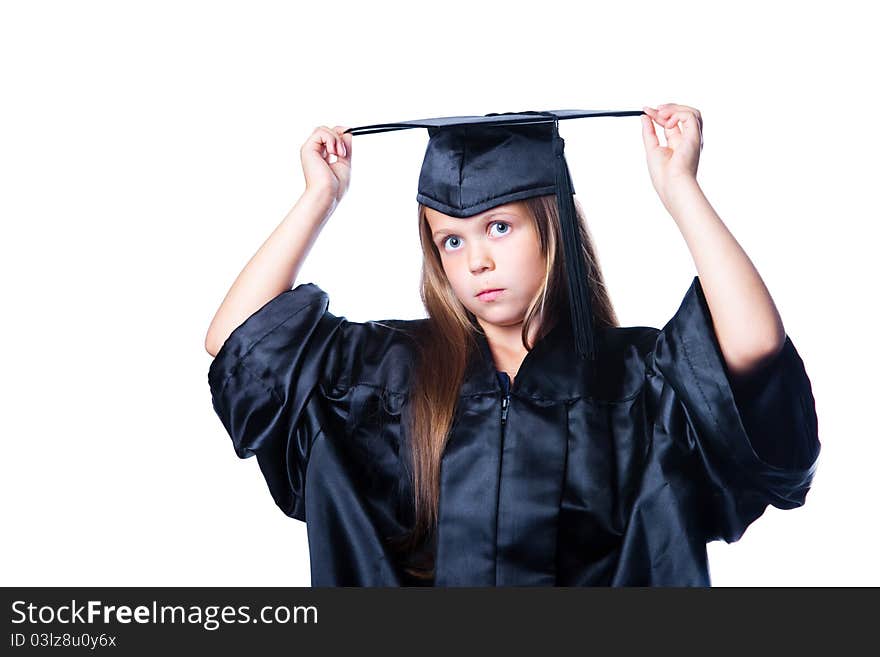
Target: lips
x=490, y=294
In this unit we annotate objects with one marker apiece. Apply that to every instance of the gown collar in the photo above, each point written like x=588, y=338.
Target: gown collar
x=550, y=371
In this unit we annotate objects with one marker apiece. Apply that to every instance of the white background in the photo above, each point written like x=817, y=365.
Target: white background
x=148, y=149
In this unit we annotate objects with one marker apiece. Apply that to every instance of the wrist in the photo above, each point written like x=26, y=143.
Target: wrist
x=318, y=202
x=680, y=190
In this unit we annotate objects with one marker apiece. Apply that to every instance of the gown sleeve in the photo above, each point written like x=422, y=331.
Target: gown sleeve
x=750, y=444
x=263, y=383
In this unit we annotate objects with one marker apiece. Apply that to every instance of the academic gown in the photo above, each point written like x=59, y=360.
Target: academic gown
x=612, y=476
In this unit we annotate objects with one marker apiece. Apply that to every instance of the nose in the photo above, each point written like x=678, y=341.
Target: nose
x=480, y=259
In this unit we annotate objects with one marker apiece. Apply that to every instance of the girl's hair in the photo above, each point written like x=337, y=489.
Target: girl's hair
x=449, y=339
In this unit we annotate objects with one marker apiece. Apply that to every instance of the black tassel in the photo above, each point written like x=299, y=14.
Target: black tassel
x=578, y=287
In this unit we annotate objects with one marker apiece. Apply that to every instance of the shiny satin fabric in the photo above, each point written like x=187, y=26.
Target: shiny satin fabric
x=617, y=476
x=468, y=170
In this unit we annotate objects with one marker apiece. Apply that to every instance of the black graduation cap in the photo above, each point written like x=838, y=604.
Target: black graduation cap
x=474, y=163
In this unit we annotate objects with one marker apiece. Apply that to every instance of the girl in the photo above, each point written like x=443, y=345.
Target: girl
x=473, y=447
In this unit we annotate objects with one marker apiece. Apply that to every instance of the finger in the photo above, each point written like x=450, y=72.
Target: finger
x=663, y=116
x=668, y=130
x=650, y=111
x=344, y=138
x=347, y=140
x=317, y=141
x=333, y=142
x=653, y=115
x=323, y=140
x=338, y=144
x=689, y=125
x=668, y=109
x=649, y=136
x=677, y=107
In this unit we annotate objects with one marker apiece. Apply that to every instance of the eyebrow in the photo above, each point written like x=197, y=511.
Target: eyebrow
x=446, y=231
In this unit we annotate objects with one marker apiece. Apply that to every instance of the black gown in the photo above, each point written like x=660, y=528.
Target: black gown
x=623, y=486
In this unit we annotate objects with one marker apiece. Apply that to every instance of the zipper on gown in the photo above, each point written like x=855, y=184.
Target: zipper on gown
x=504, y=380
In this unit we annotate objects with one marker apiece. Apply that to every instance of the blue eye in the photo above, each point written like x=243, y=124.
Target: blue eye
x=451, y=237
x=501, y=223
x=494, y=223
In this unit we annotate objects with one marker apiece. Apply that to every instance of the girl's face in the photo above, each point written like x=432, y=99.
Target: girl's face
x=498, y=249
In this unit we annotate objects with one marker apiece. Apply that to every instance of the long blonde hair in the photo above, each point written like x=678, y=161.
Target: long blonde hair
x=449, y=339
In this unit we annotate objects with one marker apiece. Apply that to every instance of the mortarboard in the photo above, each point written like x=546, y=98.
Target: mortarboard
x=474, y=163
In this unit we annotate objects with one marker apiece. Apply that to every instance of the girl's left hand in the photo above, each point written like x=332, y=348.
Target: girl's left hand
x=677, y=161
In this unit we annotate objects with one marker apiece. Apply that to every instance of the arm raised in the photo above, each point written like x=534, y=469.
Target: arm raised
x=274, y=267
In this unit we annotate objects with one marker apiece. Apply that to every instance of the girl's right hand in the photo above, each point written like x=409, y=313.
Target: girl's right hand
x=324, y=178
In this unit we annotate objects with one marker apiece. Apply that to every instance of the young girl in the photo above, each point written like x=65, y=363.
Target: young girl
x=474, y=447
